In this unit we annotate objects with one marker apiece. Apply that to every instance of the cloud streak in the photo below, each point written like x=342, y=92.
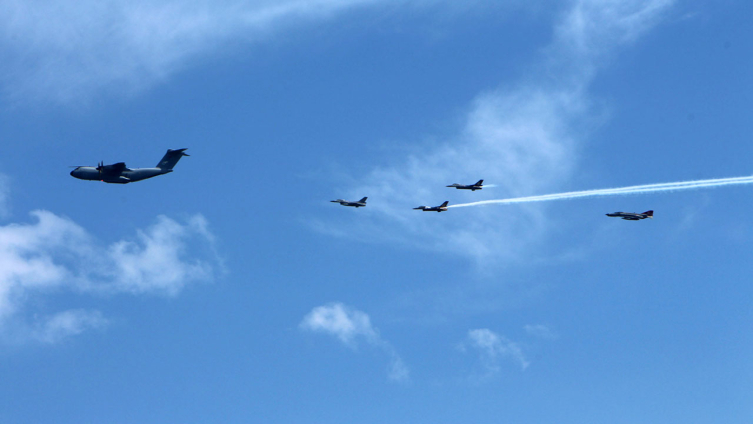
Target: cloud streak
x=54, y=254
x=639, y=189
x=351, y=326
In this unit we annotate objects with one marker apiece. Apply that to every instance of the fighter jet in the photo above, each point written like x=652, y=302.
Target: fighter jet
x=632, y=216
x=440, y=208
x=471, y=187
x=359, y=204
x=119, y=173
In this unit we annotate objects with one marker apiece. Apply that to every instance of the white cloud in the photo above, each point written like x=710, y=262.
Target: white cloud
x=342, y=322
x=524, y=139
x=55, y=254
x=27, y=253
x=154, y=261
x=351, y=326
x=493, y=348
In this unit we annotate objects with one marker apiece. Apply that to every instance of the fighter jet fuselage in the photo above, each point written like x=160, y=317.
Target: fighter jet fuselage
x=119, y=173
x=359, y=204
x=632, y=216
x=471, y=187
x=440, y=208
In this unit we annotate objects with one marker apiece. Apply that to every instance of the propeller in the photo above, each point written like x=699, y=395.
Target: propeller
x=100, y=167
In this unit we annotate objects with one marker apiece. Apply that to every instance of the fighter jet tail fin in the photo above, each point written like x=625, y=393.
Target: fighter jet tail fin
x=479, y=183
x=649, y=214
x=363, y=200
x=170, y=159
x=444, y=205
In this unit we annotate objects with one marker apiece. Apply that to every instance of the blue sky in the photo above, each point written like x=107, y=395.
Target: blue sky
x=232, y=290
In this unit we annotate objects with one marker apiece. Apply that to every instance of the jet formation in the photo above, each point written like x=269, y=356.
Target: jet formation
x=629, y=216
x=632, y=216
x=441, y=208
x=119, y=173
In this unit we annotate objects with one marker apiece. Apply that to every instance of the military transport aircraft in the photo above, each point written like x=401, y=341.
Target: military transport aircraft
x=632, y=216
x=440, y=208
x=471, y=187
x=359, y=204
x=118, y=173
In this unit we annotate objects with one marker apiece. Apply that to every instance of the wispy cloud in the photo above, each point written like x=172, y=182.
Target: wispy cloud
x=351, y=327
x=54, y=254
x=524, y=138
x=66, y=324
x=541, y=331
x=70, y=51
x=492, y=349
x=67, y=51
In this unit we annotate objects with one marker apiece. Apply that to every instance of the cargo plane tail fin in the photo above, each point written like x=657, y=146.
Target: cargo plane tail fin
x=170, y=159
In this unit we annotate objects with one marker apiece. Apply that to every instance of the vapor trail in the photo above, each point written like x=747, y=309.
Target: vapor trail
x=647, y=188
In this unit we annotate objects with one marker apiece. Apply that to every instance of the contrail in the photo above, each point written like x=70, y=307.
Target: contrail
x=648, y=188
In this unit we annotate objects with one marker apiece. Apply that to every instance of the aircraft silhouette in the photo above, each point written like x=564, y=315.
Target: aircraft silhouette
x=119, y=173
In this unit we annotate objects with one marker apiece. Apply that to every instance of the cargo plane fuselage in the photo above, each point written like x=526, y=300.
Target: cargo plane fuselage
x=119, y=173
